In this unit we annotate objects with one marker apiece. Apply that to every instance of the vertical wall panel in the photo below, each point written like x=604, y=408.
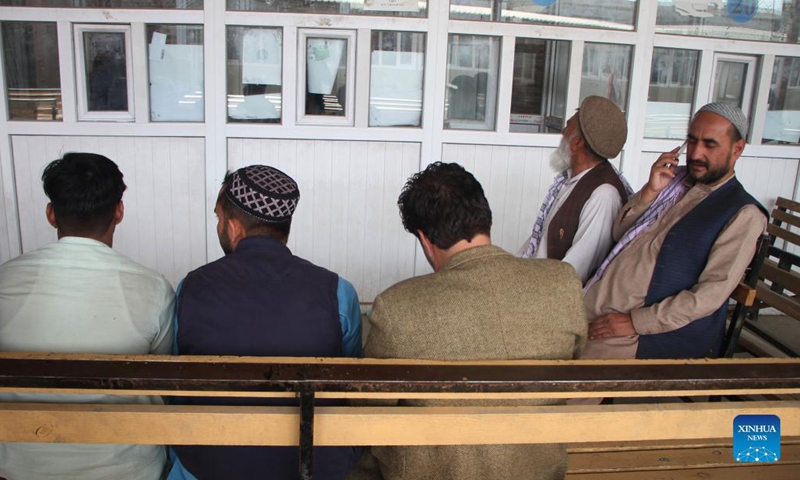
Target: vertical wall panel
x=347, y=219
x=164, y=223
x=6, y=199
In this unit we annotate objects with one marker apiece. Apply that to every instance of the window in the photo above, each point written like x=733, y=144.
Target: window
x=734, y=80
x=671, y=95
x=613, y=15
x=255, y=57
x=175, y=55
x=327, y=70
x=471, y=89
x=539, y=89
x=768, y=21
x=33, y=85
x=396, y=8
x=396, y=75
x=783, y=113
x=105, y=86
x=152, y=4
x=606, y=72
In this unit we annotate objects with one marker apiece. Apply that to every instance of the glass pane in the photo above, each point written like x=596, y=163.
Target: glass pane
x=30, y=54
x=538, y=92
x=396, y=74
x=106, y=71
x=326, y=76
x=729, y=82
x=769, y=21
x=154, y=4
x=618, y=15
x=254, y=74
x=783, y=113
x=606, y=72
x=393, y=8
x=471, y=91
x=176, y=73
x=669, y=100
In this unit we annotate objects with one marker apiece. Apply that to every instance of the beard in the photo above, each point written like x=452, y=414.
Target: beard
x=712, y=175
x=559, y=159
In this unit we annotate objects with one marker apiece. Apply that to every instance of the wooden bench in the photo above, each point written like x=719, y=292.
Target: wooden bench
x=778, y=277
x=620, y=441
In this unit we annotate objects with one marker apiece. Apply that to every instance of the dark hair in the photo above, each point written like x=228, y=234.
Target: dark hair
x=84, y=190
x=446, y=203
x=252, y=225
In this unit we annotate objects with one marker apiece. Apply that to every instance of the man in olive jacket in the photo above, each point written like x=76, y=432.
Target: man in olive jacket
x=481, y=303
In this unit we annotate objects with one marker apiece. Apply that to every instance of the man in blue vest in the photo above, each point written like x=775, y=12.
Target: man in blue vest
x=685, y=240
x=261, y=300
x=575, y=219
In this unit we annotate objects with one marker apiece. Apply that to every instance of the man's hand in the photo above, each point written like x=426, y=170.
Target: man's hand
x=661, y=173
x=611, y=325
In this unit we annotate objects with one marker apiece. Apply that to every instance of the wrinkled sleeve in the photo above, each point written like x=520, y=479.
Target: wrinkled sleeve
x=629, y=214
x=162, y=343
x=726, y=264
x=350, y=319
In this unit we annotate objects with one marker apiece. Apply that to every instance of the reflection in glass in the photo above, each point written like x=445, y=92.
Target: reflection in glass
x=106, y=71
x=783, y=113
x=612, y=15
x=669, y=100
x=471, y=91
x=326, y=76
x=539, y=89
x=397, y=8
x=30, y=54
x=176, y=72
x=156, y=4
x=768, y=21
x=396, y=74
x=254, y=74
x=606, y=72
x=729, y=83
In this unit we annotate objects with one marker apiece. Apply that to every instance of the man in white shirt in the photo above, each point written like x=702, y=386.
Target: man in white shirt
x=78, y=295
x=575, y=221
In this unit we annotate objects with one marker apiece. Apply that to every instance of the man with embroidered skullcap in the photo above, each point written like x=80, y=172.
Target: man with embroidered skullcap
x=685, y=240
x=575, y=219
x=260, y=300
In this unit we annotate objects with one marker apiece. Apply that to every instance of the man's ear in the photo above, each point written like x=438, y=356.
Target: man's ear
x=738, y=148
x=51, y=215
x=427, y=245
x=236, y=231
x=119, y=213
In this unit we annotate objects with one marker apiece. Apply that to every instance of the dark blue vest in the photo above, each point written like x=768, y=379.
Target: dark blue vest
x=680, y=261
x=260, y=300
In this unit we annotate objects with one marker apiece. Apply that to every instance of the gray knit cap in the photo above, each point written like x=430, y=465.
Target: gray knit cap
x=730, y=113
x=263, y=192
x=603, y=126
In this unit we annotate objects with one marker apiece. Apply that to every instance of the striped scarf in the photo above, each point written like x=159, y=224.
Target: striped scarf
x=668, y=197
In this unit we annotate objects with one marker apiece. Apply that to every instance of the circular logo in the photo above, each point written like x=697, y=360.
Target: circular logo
x=544, y=3
x=742, y=11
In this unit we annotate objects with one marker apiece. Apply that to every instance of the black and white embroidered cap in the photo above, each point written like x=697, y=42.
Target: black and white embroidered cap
x=264, y=192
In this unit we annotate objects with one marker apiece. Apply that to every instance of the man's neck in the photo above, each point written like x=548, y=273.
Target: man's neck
x=443, y=256
x=581, y=163
x=107, y=238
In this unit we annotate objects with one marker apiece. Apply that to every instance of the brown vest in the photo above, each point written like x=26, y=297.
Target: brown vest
x=564, y=224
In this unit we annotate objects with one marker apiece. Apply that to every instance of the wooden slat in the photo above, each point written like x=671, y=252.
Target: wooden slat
x=788, y=280
x=788, y=204
x=747, y=471
x=665, y=459
x=787, y=217
x=744, y=295
x=214, y=425
x=783, y=303
x=779, y=232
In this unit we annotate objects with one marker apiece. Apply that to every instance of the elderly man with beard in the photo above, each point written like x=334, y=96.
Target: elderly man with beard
x=575, y=220
x=685, y=240
x=260, y=300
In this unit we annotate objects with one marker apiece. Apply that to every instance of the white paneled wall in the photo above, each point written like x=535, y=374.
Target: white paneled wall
x=5, y=247
x=515, y=180
x=347, y=219
x=165, y=220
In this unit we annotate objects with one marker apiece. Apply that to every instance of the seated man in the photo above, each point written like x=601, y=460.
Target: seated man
x=261, y=300
x=481, y=303
x=575, y=220
x=80, y=296
x=688, y=237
